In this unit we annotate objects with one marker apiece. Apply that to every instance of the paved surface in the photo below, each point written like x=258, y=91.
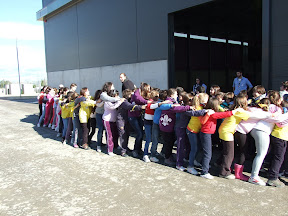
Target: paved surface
x=40, y=176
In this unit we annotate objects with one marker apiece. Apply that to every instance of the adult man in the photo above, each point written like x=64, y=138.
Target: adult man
x=126, y=83
x=241, y=83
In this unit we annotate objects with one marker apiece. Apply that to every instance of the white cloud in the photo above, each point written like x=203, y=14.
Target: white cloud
x=22, y=31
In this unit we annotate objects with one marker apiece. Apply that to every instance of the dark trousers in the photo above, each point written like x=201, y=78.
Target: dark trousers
x=40, y=110
x=182, y=145
x=227, y=157
x=137, y=124
x=123, y=132
x=206, y=143
x=278, y=149
x=85, y=130
x=92, y=128
x=241, y=140
x=169, y=139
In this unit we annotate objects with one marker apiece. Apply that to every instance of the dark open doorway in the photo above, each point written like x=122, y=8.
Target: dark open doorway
x=212, y=41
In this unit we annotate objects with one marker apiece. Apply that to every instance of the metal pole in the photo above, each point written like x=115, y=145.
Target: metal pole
x=18, y=66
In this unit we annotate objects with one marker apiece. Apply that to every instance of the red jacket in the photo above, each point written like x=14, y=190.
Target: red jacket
x=209, y=125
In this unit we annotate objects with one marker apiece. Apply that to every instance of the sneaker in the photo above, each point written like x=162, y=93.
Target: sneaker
x=110, y=153
x=57, y=129
x=53, y=127
x=146, y=159
x=65, y=142
x=98, y=149
x=256, y=180
x=75, y=146
x=192, y=171
x=59, y=134
x=186, y=160
x=207, y=176
x=197, y=164
x=50, y=125
x=135, y=154
x=231, y=176
x=85, y=146
x=275, y=183
x=123, y=154
x=181, y=168
x=38, y=125
x=154, y=159
x=169, y=162
x=44, y=125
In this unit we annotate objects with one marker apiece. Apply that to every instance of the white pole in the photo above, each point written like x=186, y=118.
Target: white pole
x=18, y=66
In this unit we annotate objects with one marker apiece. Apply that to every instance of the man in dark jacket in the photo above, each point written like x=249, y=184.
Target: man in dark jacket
x=126, y=83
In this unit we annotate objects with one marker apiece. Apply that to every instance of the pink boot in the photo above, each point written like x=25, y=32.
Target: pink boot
x=239, y=172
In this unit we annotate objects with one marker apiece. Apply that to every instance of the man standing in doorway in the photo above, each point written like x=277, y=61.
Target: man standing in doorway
x=126, y=83
x=241, y=83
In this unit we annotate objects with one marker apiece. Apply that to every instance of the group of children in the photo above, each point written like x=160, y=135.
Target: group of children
x=194, y=122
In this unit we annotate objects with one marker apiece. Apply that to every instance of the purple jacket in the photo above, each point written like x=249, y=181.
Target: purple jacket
x=136, y=99
x=168, y=118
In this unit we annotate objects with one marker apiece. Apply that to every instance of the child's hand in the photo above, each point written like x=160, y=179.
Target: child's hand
x=210, y=112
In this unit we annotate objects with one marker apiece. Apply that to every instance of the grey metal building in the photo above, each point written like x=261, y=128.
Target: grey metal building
x=165, y=43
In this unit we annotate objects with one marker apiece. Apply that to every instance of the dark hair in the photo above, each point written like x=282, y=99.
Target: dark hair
x=73, y=85
x=213, y=103
x=285, y=85
x=127, y=94
x=240, y=102
x=145, y=90
x=259, y=89
x=97, y=94
x=200, y=83
x=274, y=98
x=264, y=101
x=113, y=93
x=216, y=88
x=179, y=90
x=200, y=89
x=187, y=97
x=171, y=91
x=107, y=87
x=83, y=90
x=163, y=95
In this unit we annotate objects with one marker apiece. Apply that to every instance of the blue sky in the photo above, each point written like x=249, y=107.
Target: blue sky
x=18, y=20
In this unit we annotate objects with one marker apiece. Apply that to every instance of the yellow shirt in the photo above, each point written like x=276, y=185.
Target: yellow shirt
x=194, y=124
x=228, y=126
x=85, y=110
x=280, y=133
x=65, y=111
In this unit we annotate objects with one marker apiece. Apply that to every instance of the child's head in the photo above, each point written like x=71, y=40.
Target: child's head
x=200, y=89
x=187, y=99
x=47, y=90
x=229, y=97
x=163, y=94
x=284, y=86
x=107, y=87
x=240, y=102
x=214, y=89
x=258, y=91
x=213, y=103
x=274, y=98
x=172, y=92
x=264, y=104
x=220, y=96
x=203, y=98
x=73, y=86
x=145, y=90
x=243, y=93
x=113, y=93
x=127, y=93
x=97, y=94
x=84, y=91
x=154, y=95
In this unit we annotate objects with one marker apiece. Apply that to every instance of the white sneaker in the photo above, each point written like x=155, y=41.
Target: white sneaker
x=154, y=159
x=50, y=125
x=256, y=180
x=44, y=125
x=146, y=159
x=38, y=125
x=98, y=149
x=197, y=164
x=110, y=153
x=192, y=171
x=181, y=168
x=57, y=129
x=53, y=127
x=207, y=176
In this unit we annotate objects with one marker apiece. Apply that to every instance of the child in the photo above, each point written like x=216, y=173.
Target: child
x=228, y=101
x=214, y=89
x=109, y=118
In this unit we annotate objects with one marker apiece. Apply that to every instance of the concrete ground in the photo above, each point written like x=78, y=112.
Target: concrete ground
x=41, y=176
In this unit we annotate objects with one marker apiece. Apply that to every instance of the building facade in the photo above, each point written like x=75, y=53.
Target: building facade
x=165, y=43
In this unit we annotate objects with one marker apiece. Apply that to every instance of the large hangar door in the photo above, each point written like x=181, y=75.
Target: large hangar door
x=214, y=40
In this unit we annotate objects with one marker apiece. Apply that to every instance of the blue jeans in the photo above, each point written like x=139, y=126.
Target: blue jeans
x=77, y=131
x=137, y=124
x=65, y=126
x=207, y=151
x=148, y=131
x=155, y=136
x=100, y=126
x=193, y=139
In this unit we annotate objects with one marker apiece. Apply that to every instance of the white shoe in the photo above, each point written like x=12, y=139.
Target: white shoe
x=44, y=125
x=257, y=180
x=53, y=127
x=181, y=168
x=207, y=176
x=49, y=126
x=110, y=153
x=57, y=129
x=98, y=149
x=146, y=159
x=192, y=170
x=154, y=159
x=38, y=125
x=197, y=164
